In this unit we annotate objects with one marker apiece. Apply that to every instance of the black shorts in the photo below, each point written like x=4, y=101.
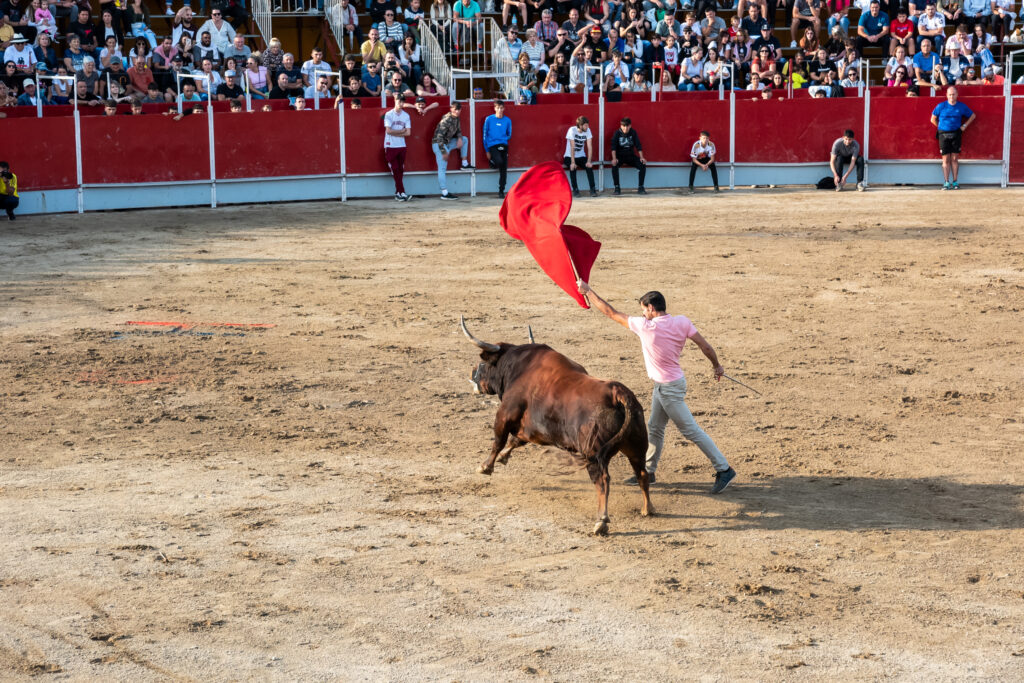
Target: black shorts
x=949, y=141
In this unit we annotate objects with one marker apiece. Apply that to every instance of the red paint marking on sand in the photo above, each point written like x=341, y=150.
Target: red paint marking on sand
x=191, y=325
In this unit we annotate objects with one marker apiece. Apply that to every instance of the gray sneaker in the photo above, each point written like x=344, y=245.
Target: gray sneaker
x=723, y=479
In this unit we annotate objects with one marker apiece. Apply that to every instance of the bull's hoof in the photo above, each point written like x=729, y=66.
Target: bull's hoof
x=503, y=459
x=485, y=470
x=601, y=528
x=649, y=512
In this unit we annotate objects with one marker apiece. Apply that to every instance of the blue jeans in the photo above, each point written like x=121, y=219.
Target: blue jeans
x=668, y=402
x=140, y=29
x=442, y=164
x=844, y=22
x=690, y=87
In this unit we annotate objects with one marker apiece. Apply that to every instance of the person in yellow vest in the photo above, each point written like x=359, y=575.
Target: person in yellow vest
x=8, y=189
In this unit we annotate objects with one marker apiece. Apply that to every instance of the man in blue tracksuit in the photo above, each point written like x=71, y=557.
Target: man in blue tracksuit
x=497, y=132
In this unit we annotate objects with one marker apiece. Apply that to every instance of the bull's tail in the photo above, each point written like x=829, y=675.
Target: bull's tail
x=625, y=398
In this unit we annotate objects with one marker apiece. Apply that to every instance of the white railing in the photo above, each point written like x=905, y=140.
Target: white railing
x=296, y=7
x=433, y=54
x=336, y=20
x=261, y=16
x=466, y=47
x=502, y=63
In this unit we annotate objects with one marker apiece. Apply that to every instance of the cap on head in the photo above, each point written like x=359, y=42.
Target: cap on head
x=229, y=73
x=27, y=82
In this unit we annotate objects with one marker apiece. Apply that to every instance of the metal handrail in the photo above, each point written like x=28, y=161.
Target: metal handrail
x=433, y=56
x=502, y=62
x=335, y=19
x=261, y=15
x=39, y=93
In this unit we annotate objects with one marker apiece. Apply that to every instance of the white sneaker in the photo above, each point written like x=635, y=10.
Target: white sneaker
x=398, y=197
x=406, y=197
x=860, y=187
x=313, y=10
x=792, y=43
x=170, y=12
x=465, y=163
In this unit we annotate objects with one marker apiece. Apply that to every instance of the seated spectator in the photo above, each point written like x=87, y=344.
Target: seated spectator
x=110, y=108
x=141, y=77
x=238, y=48
x=273, y=58
x=220, y=31
x=294, y=74
x=638, y=83
x=110, y=51
x=351, y=89
x=902, y=31
x=257, y=77
x=313, y=66
x=378, y=8
x=372, y=80
x=560, y=68
x=118, y=94
x=673, y=56
x=85, y=31
x=350, y=68
x=136, y=109
x=595, y=13
x=280, y=90
x=971, y=77
x=850, y=58
x=21, y=55
x=230, y=89
x=154, y=96
x=345, y=14
x=61, y=91
x=580, y=73
x=321, y=89
x=979, y=40
x=182, y=25
x=206, y=50
x=236, y=107
x=299, y=104
x=138, y=18
x=29, y=96
x=45, y=54
x=716, y=72
x=373, y=49
x=574, y=26
x=528, y=85
x=546, y=29
x=852, y=79
x=390, y=31
x=820, y=66
x=632, y=55
x=901, y=77
x=762, y=67
x=515, y=45
x=411, y=59
x=925, y=62
x=177, y=71
x=614, y=41
x=162, y=57
x=797, y=71
x=977, y=13
x=356, y=104
x=951, y=10
x=428, y=87
x=86, y=97
x=1001, y=22
x=593, y=40
x=897, y=60
x=207, y=87
x=809, y=43
x=617, y=70
x=109, y=26
x=665, y=83
x=806, y=13
x=837, y=43
x=769, y=41
x=513, y=8
x=551, y=85
x=41, y=19
x=955, y=66
x=873, y=29
x=668, y=26
x=535, y=51
x=931, y=26
x=117, y=74
x=11, y=78
x=691, y=72
x=140, y=53
x=186, y=50
x=562, y=45
x=712, y=26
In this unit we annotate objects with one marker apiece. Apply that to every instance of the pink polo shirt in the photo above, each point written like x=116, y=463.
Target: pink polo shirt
x=662, y=341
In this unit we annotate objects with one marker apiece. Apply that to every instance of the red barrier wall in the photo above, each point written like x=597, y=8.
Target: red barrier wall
x=794, y=131
x=276, y=143
x=141, y=149
x=667, y=130
x=901, y=128
x=538, y=133
x=1017, y=142
x=41, y=152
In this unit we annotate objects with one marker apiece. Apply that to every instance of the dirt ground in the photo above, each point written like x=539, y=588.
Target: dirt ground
x=296, y=497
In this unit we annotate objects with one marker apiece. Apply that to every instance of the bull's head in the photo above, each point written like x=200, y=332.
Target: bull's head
x=485, y=378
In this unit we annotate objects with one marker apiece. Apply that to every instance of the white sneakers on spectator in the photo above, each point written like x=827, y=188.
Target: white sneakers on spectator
x=792, y=43
x=448, y=195
x=170, y=12
x=402, y=197
x=860, y=187
x=465, y=163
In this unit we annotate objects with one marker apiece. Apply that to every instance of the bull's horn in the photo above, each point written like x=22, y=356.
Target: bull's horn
x=482, y=344
x=530, y=331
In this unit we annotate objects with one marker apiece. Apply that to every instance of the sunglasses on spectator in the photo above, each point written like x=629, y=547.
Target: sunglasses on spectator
x=389, y=14
x=215, y=14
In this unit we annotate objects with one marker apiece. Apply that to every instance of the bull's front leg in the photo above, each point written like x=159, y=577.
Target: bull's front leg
x=501, y=433
x=598, y=472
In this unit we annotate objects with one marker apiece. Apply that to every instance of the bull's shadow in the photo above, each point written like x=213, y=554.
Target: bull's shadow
x=840, y=503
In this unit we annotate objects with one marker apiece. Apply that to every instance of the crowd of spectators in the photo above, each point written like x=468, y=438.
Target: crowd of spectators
x=652, y=45
x=611, y=45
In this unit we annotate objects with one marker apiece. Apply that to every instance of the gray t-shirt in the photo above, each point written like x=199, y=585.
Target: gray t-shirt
x=840, y=149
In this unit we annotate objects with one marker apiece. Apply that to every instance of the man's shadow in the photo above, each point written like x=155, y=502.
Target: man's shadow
x=843, y=503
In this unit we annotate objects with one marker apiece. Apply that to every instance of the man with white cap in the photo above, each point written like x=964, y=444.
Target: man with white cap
x=28, y=96
x=23, y=56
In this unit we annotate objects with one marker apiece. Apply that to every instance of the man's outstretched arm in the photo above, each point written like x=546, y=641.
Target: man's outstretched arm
x=602, y=305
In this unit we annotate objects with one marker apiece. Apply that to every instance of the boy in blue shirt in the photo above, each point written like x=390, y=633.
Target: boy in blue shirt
x=948, y=118
x=497, y=133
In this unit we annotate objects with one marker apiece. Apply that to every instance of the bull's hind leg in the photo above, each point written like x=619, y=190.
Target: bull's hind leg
x=638, y=463
x=598, y=471
x=502, y=430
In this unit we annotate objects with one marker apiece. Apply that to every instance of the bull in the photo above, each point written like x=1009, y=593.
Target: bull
x=549, y=400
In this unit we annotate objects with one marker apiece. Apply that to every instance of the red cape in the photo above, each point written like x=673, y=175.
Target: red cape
x=534, y=212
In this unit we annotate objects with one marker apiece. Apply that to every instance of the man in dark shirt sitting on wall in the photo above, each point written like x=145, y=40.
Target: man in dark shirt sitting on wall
x=627, y=151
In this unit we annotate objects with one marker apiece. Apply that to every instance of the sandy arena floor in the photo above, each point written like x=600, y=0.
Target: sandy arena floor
x=300, y=501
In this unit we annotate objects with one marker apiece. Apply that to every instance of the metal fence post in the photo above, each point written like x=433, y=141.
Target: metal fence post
x=341, y=151
x=472, y=145
x=867, y=134
x=732, y=140
x=78, y=154
x=600, y=142
x=1007, y=120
